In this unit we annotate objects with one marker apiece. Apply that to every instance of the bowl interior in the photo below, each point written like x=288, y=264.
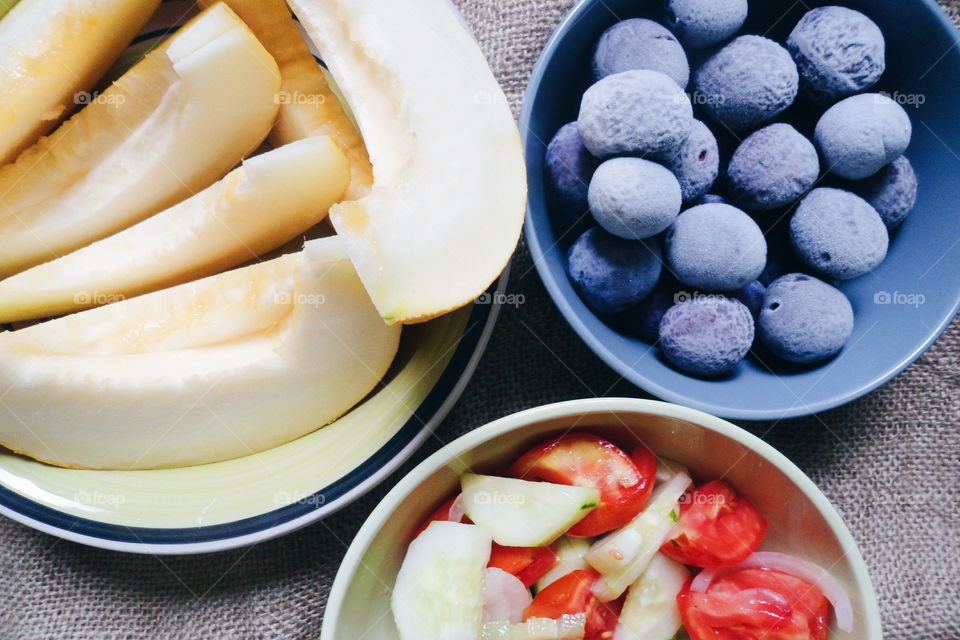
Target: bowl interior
x=900, y=308
x=801, y=520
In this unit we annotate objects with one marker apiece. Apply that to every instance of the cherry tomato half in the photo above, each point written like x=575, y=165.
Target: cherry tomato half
x=717, y=528
x=588, y=461
x=755, y=604
x=528, y=564
x=571, y=594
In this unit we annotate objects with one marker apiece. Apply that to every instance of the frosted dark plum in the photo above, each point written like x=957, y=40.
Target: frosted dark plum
x=715, y=247
x=860, y=135
x=634, y=198
x=638, y=43
x=697, y=162
x=569, y=167
x=772, y=167
x=704, y=23
x=610, y=273
x=747, y=83
x=706, y=336
x=804, y=319
x=838, y=233
x=838, y=52
x=640, y=112
x=892, y=191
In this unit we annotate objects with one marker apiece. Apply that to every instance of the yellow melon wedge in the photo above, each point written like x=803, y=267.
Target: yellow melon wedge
x=51, y=53
x=447, y=204
x=211, y=370
x=271, y=199
x=308, y=106
x=171, y=126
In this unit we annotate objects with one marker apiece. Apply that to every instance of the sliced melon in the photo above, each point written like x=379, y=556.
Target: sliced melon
x=272, y=198
x=308, y=105
x=171, y=126
x=438, y=594
x=448, y=199
x=52, y=52
x=520, y=513
x=206, y=371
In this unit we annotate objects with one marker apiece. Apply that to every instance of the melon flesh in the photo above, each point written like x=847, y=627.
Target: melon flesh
x=271, y=199
x=206, y=371
x=169, y=127
x=308, y=105
x=447, y=204
x=50, y=52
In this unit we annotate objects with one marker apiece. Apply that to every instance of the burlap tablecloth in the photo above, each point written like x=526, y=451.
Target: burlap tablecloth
x=889, y=462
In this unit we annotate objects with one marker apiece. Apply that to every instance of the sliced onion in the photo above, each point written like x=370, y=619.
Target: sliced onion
x=504, y=597
x=817, y=576
x=456, y=512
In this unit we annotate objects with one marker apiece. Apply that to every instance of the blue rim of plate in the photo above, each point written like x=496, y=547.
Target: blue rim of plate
x=610, y=358
x=350, y=487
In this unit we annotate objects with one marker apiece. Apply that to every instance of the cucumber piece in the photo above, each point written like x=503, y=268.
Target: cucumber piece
x=520, y=513
x=566, y=627
x=439, y=590
x=650, y=611
x=622, y=556
x=570, y=551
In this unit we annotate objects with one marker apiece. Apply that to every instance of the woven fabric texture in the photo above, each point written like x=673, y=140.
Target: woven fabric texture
x=890, y=462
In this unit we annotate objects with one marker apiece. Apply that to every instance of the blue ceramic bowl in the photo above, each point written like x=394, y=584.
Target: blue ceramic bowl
x=901, y=308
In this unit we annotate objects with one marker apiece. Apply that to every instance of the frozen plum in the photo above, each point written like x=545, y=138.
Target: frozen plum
x=704, y=23
x=634, y=198
x=569, y=167
x=751, y=295
x=697, y=162
x=747, y=82
x=638, y=43
x=610, y=273
x=804, y=319
x=838, y=233
x=892, y=191
x=639, y=112
x=860, y=135
x=715, y=247
x=644, y=319
x=706, y=336
x=838, y=52
x=772, y=167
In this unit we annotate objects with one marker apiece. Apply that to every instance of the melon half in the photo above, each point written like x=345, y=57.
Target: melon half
x=169, y=127
x=211, y=370
x=447, y=203
x=257, y=207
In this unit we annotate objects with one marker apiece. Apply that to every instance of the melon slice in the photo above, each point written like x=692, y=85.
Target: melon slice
x=171, y=126
x=51, y=53
x=447, y=204
x=308, y=105
x=271, y=199
x=211, y=370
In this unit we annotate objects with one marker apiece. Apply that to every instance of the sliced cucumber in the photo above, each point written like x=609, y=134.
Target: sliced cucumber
x=519, y=513
x=566, y=627
x=622, y=556
x=650, y=611
x=570, y=552
x=439, y=590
